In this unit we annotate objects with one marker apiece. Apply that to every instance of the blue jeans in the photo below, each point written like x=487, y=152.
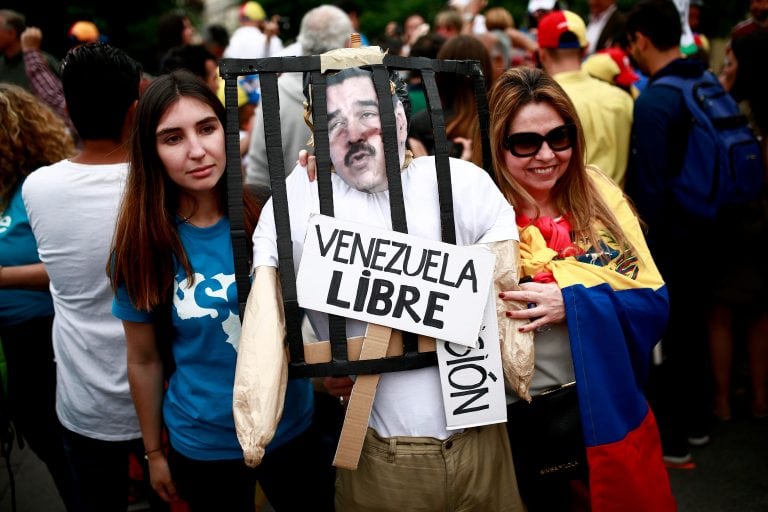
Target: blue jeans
x=99, y=471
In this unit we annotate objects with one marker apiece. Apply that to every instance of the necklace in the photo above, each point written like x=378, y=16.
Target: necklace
x=200, y=222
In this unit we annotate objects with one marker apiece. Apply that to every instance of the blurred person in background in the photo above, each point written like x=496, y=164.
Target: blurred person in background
x=22, y=62
x=174, y=29
x=457, y=96
x=216, y=39
x=195, y=58
x=606, y=25
x=31, y=137
x=743, y=300
x=322, y=29
x=605, y=111
x=256, y=37
x=414, y=27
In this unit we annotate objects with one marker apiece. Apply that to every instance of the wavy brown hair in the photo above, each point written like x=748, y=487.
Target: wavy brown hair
x=146, y=246
x=574, y=193
x=31, y=136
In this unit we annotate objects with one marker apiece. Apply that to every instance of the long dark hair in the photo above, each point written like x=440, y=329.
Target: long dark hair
x=146, y=245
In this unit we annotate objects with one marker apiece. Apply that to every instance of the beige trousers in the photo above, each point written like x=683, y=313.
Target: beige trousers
x=468, y=472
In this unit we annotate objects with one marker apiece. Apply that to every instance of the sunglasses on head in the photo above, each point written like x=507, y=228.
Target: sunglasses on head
x=528, y=143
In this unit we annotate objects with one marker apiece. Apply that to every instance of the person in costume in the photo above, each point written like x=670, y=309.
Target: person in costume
x=173, y=264
x=596, y=302
x=408, y=455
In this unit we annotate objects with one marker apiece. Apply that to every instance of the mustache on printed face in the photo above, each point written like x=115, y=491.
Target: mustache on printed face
x=358, y=148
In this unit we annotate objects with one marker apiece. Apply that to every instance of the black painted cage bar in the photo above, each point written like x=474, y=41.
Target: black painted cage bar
x=268, y=70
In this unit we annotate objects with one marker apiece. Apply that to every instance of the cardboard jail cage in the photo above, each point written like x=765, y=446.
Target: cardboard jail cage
x=408, y=351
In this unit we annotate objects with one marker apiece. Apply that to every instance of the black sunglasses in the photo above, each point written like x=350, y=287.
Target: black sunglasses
x=528, y=143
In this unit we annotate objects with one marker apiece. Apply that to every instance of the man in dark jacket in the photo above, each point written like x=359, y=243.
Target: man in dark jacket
x=675, y=236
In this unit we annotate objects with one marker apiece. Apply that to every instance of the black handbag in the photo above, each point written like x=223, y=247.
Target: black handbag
x=546, y=436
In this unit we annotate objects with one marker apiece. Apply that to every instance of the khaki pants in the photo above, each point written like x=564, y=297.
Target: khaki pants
x=468, y=472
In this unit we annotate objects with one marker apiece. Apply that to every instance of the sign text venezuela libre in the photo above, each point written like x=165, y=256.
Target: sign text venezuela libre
x=389, y=278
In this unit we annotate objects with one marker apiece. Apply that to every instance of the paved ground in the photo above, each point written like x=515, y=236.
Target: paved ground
x=731, y=475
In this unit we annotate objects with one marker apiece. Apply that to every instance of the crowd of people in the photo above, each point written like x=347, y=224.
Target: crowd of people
x=119, y=313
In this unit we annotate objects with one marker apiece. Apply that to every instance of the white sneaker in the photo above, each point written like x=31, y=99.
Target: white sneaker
x=701, y=440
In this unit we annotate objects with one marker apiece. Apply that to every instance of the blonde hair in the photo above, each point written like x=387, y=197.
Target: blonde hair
x=498, y=18
x=574, y=193
x=31, y=136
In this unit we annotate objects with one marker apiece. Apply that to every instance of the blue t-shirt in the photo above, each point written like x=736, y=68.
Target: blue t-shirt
x=18, y=247
x=197, y=408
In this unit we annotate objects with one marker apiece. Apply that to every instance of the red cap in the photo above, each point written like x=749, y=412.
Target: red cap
x=562, y=29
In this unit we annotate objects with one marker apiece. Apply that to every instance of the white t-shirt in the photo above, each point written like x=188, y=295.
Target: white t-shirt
x=72, y=210
x=407, y=403
x=250, y=43
x=595, y=27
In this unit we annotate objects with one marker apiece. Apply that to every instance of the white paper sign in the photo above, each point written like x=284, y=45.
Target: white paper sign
x=472, y=378
x=389, y=278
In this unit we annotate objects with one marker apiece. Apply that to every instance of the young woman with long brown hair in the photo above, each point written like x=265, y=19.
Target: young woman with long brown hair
x=173, y=262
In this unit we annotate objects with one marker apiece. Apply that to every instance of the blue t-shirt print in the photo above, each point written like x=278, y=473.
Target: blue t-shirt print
x=198, y=403
x=207, y=298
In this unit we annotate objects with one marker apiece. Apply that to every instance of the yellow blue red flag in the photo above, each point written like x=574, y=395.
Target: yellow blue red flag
x=616, y=311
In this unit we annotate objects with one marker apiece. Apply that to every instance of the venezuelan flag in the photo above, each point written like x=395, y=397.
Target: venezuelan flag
x=616, y=312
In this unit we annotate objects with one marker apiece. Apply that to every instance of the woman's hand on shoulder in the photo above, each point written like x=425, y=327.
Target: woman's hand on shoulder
x=544, y=301
x=308, y=161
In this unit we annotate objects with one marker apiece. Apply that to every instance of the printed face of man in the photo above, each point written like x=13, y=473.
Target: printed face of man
x=355, y=135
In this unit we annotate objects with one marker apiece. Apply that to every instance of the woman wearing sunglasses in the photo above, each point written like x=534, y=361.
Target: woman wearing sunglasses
x=595, y=301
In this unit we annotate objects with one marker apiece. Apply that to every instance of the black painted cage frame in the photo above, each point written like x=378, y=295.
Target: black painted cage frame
x=268, y=70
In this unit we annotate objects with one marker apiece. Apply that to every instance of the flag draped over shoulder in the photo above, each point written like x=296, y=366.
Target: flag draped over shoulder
x=616, y=312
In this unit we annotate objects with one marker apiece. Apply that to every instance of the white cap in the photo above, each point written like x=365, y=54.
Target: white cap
x=539, y=5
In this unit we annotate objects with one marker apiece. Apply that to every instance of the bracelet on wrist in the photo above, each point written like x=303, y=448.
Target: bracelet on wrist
x=146, y=453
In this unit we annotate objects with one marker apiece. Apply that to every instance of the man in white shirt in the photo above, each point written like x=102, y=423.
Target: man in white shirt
x=606, y=25
x=256, y=37
x=72, y=206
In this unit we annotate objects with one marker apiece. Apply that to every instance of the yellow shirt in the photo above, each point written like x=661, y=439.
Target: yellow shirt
x=605, y=112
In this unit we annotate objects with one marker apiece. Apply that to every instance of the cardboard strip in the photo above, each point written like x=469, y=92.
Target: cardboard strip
x=375, y=345
x=320, y=352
